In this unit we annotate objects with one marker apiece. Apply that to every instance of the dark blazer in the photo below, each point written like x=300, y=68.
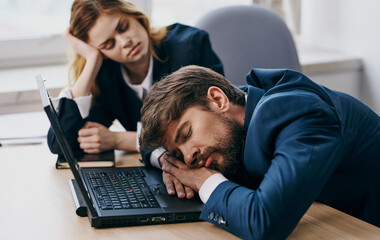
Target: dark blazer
x=182, y=46
x=303, y=143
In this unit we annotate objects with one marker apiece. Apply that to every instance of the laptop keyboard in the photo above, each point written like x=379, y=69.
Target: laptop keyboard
x=122, y=190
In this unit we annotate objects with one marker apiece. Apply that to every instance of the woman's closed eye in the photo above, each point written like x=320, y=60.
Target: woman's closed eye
x=109, y=44
x=123, y=26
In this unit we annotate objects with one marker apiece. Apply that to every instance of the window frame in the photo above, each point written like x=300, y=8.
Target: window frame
x=42, y=49
x=31, y=51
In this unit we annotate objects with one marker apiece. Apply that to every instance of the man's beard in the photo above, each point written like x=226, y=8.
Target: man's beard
x=229, y=148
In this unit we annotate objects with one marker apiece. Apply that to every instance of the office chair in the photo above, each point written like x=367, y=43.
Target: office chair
x=247, y=37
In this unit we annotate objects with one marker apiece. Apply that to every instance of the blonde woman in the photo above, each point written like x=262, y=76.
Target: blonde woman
x=118, y=57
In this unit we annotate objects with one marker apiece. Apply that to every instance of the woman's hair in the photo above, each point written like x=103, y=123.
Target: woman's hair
x=84, y=14
x=171, y=96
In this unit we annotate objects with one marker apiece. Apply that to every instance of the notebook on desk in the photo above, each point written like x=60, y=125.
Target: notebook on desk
x=85, y=160
x=121, y=196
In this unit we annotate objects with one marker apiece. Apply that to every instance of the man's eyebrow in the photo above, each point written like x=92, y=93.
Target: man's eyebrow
x=179, y=130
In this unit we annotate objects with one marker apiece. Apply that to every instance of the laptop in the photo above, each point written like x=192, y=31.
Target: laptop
x=121, y=196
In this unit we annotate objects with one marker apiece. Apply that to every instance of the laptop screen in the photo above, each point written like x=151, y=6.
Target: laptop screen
x=63, y=143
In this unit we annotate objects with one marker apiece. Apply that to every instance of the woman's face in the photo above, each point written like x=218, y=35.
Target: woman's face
x=121, y=38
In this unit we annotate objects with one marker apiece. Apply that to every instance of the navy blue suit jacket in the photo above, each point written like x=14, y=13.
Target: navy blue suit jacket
x=303, y=143
x=182, y=46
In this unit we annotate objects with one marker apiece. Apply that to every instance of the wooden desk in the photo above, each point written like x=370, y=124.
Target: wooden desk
x=35, y=203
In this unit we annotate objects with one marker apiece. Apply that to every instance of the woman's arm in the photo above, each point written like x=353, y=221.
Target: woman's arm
x=93, y=137
x=94, y=60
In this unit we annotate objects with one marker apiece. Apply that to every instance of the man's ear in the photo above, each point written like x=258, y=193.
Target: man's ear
x=218, y=101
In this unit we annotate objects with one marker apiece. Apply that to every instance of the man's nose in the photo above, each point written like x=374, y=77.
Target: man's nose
x=189, y=153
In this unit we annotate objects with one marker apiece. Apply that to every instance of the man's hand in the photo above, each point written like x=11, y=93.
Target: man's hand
x=172, y=184
x=94, y=138
x=191, y=178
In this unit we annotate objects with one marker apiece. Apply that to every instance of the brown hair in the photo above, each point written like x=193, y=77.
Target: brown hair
x=84, y=14
x=168, y=98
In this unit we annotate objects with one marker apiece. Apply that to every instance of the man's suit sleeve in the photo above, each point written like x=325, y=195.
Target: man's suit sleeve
x=264, y=79
x=300, y=136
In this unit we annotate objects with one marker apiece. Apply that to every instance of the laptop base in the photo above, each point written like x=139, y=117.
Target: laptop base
x=79, y=204
x=118, y=196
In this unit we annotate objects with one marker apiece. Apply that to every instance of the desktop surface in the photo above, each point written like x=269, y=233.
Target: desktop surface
x=36, y=203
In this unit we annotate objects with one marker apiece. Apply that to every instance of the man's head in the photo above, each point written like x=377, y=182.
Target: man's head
x=197, y=115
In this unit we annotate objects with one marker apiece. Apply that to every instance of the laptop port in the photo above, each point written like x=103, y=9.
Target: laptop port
x=144, y=220
x=180, y=218
x=158, y=219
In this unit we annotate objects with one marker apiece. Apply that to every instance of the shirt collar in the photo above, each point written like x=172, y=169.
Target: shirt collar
x=145, y=84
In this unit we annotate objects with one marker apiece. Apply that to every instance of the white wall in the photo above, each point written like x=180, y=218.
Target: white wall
x=350, y=26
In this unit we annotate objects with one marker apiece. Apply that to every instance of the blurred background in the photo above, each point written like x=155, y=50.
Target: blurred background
x=337, y=42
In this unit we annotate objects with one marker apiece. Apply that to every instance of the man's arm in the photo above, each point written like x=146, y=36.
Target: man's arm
x=264, y=79
x=302, y=149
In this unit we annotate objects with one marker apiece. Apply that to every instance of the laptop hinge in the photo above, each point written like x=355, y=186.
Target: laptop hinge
x=80, y=205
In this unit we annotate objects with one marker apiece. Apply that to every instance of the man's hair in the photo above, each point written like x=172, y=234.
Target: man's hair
x=168, y=98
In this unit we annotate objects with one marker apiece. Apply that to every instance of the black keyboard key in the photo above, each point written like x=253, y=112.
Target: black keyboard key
x=136, y=205
x=126, y=206
x=122, y=190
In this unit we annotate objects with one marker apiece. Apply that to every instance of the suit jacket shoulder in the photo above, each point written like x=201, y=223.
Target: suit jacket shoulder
x=183, y=46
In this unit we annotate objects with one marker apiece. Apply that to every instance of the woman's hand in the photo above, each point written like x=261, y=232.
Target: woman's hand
x=94, y=60
x=94, y=138
x=82, y=48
